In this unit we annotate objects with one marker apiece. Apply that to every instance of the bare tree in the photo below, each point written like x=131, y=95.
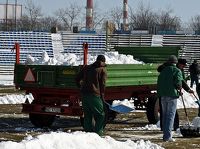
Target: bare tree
x=195, y=23
x=70, y=15
x=24, y=23
x=32, y=15
x=143, y=19
x=47, y=23
x=166, y=21
x=98, y=18
x=116, y=15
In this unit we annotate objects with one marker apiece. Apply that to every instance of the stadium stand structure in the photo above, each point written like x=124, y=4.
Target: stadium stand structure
x=73, y=42
x=57, y=43
x=34, y=43
x=31, y=43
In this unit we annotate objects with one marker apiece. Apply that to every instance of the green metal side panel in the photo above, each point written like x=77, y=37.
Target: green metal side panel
x=47, y=76
x=149, y=54
x=64, y=76
x=131, y=74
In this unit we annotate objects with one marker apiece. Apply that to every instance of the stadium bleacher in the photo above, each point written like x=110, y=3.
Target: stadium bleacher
x=73, y=43
x=33, y=43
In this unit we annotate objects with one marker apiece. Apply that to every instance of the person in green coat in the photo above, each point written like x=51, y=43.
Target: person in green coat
x=182, y=63
x=169, y=85
x=92, y=80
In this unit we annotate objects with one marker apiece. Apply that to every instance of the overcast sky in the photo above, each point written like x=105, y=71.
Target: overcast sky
x=185, y=9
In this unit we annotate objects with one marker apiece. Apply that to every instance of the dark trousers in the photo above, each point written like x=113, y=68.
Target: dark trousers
x=93, y=108
x=198, y=93
x=194, y=78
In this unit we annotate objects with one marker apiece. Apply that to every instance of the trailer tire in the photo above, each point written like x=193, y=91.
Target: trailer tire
x=153, y=112
x=41, y=120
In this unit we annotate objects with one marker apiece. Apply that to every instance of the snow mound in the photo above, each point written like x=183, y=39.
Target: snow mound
x=75, y=60
x=75, y=140
x=196, y=122
x=15, y=99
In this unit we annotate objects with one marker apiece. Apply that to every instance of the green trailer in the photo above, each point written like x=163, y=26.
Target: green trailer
x=55, y=91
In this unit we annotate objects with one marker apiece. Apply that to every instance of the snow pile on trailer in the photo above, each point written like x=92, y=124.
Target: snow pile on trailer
x=71, y=59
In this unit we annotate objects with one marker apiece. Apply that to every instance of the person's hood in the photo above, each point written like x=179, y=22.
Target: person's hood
x=161, y=67
x=99, y=64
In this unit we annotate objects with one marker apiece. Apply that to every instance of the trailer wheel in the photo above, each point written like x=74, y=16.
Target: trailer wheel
x=153, y=112
x=41, y=120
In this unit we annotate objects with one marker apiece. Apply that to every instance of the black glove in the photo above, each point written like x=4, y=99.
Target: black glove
x=191, y=91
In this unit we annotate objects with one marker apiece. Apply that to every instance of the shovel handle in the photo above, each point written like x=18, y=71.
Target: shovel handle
x=195, y=96
x=185, y=110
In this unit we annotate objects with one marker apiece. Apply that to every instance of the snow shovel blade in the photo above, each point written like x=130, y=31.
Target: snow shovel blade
x=198, y=102
x=190, y=131
x=120, y=108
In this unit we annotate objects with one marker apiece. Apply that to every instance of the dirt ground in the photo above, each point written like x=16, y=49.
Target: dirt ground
x=14, y=126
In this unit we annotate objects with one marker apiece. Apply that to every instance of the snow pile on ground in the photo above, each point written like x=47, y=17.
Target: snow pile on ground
x=15, y=98
x=75, y=140
x=6, y=80
x=146, y=127
x=75, y=60
x=196, y=122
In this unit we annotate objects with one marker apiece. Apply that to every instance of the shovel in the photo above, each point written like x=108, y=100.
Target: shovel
x=189, y=130
x=120, y=108
x=198, y=102
x=185, y=110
